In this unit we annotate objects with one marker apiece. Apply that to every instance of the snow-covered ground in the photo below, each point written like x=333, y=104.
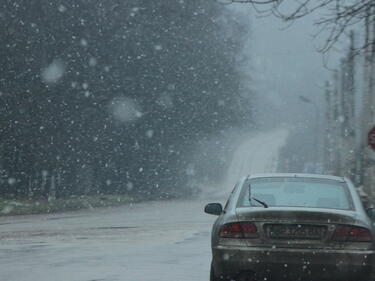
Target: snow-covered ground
x=144, y=242
x=256, y=154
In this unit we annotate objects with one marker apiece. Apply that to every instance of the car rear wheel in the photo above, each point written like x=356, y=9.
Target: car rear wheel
x=371, y=278
x=213, y=277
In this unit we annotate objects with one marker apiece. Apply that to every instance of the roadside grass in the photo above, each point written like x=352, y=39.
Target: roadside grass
x=25, y=207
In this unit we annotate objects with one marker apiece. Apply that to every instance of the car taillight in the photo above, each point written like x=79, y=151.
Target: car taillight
x=347, y=233
x=239, y=230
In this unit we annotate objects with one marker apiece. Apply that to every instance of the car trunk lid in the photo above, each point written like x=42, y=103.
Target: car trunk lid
x=295, y=227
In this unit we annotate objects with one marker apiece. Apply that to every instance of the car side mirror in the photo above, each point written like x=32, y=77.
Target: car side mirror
x=213, y=209
x=371, y=213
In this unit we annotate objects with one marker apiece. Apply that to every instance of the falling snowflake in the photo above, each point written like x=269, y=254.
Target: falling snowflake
x=11, y=181
x=53, y=72
x=158, y=47
x=149, y=133
x=93, y=62
x=125, y=109
x=165, y=100
x=129, y=186
x=84, y=42
x=62, y=8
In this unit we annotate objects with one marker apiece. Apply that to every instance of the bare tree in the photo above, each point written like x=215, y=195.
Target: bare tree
x=337, y=18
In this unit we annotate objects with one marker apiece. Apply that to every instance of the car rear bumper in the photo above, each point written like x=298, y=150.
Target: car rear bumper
x=299, y=264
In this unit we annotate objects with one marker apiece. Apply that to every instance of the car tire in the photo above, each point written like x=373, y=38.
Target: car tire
x=213, y=277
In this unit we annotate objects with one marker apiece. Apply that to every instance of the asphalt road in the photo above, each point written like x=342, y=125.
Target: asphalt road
x=147, y=241
x=165, y=240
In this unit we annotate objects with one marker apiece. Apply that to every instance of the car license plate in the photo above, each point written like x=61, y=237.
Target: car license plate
x=296, y=231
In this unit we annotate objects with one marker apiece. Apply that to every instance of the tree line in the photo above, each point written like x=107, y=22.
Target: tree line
x=108, y=96
x=350, y=109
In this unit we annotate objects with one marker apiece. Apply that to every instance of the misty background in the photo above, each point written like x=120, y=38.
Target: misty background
x=148, y=99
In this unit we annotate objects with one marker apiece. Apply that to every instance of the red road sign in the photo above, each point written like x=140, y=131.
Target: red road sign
x=371, y=138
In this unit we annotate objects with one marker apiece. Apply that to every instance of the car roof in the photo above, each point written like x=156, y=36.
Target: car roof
x=295, y=175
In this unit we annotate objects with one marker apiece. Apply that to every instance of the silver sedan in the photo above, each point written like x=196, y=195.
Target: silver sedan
x=292, y=227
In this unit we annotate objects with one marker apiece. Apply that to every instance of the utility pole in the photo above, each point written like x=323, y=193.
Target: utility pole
x=343, y=139
x=350, y=102
x=317, y=163
x=345, y=91
x=329, y=135
x=336, y=124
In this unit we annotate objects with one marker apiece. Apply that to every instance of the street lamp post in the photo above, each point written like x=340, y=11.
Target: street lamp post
x=316, y=133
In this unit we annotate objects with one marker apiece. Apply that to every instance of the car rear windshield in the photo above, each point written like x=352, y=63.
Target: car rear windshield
x=296, y=192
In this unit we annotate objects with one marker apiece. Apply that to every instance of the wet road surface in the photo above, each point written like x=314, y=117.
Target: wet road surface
x=164, y=240
x=147, y=241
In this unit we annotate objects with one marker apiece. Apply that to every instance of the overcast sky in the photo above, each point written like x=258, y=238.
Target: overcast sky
x=286, y=64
